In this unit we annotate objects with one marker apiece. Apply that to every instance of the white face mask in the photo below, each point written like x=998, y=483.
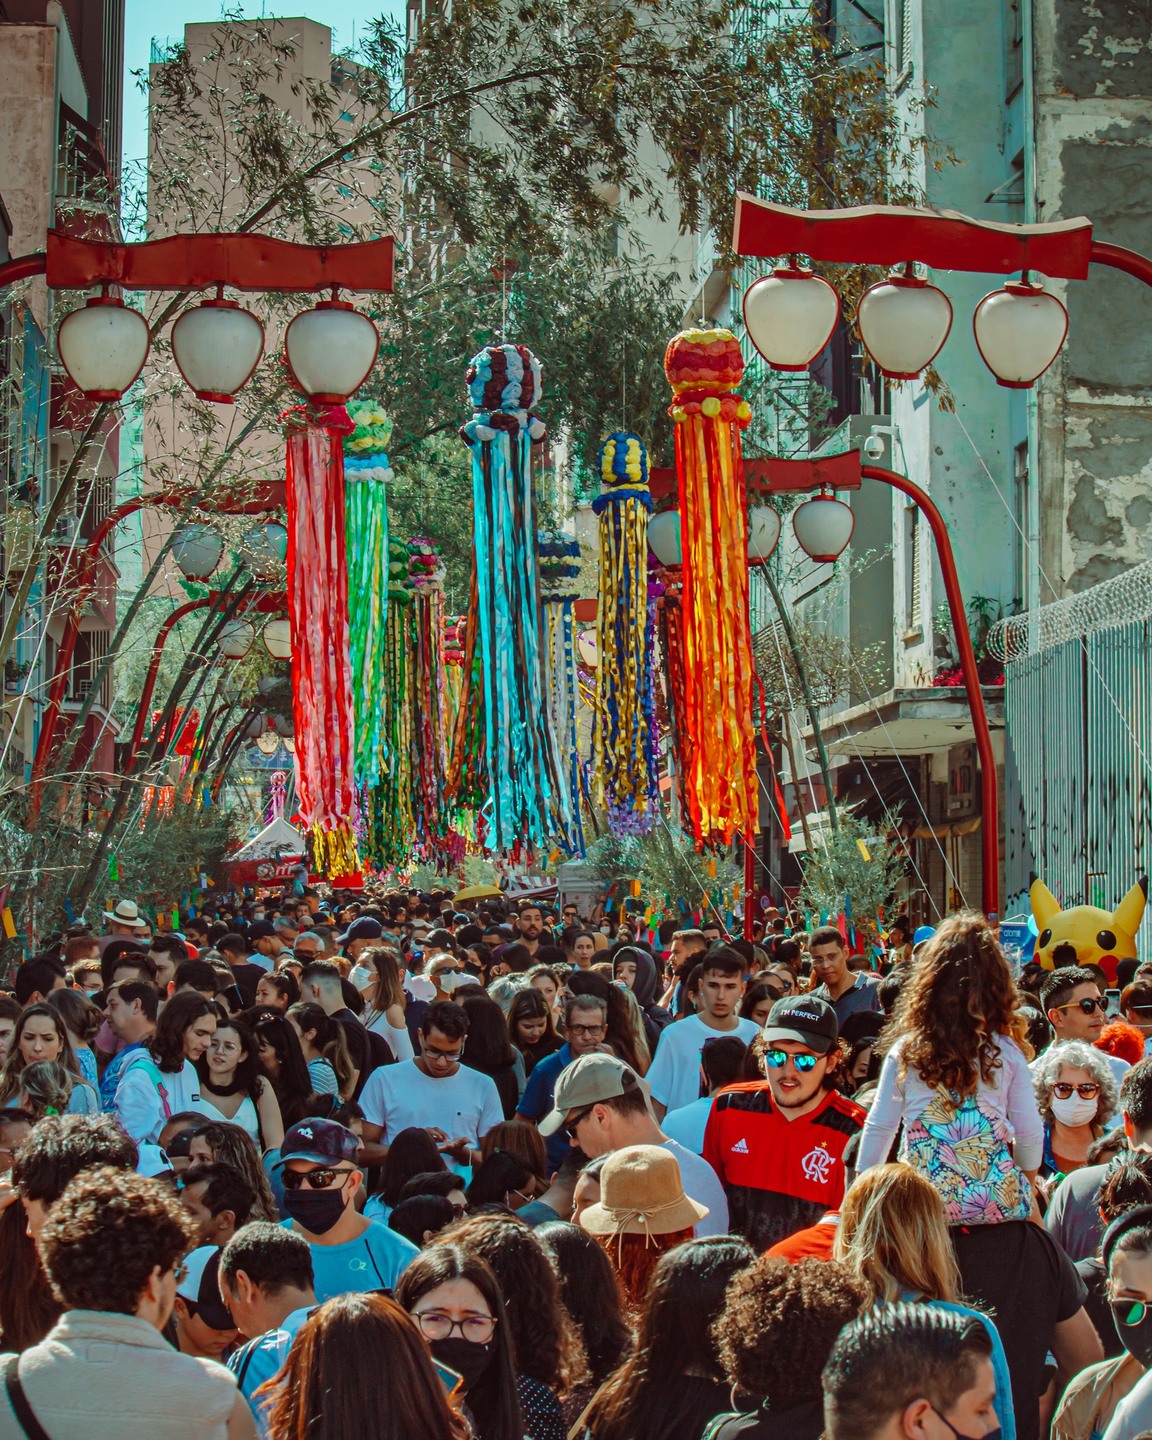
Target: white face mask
x=361, y=977
x=1074, y=1110
x=449, y=979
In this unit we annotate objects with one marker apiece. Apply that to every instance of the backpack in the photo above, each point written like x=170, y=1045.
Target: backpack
x=962, y=1150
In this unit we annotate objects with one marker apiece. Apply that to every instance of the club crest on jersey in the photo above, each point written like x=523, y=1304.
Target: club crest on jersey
x=817, y=1165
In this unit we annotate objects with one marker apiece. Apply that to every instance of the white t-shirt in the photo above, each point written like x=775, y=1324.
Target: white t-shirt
x=687, y=1124
x=399, y=1096
x=702, y=1184
x=674, y=1076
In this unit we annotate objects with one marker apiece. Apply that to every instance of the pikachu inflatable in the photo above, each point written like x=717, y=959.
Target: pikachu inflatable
x=1086, y=935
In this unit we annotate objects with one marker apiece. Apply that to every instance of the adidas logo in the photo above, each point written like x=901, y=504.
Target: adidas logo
x=740, y=1148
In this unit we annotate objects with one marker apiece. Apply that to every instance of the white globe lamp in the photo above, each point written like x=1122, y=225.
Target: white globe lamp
x=904, y=322
x=331, y=350
x=664, y=538
x=103, y=346
x=823, y=527
x=217, y=346
x=1019, y=330
x=790, y=316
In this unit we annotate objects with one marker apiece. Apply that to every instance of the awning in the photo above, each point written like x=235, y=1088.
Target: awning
x=946, y=829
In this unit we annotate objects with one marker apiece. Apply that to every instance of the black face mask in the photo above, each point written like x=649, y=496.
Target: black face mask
x=469, y=1360
x=316, y=1210
x=1137, y=1336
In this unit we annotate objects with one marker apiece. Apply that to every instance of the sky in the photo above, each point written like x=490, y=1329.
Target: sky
x=164, y=20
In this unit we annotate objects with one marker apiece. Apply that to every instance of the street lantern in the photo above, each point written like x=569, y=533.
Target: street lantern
x=236, y=639
x=217, y=346
x=664, y=538
x=1019, y=330
x=103, y=346
x=587, y=647
x=763, y=533
x=823, y=526
x=904, y=322
x=197, y=549
x=331, y=350
x=790, y=316
x=278, y=639
x=264, y=547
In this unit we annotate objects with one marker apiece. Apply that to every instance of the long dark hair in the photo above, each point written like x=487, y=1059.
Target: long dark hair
x=412, y=1152
x=591, y=1296
x=648, y=1395
x=489, y=1048
x=167, y=1044
x=359, y=1366
x=493, y=1401
x=530, y=1004
x=543, y=1337
x=293, y=1084
x=28, y=1309
x=249, y=1071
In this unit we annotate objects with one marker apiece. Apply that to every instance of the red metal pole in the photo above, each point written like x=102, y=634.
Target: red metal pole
x=154, y=668
x=1120, y=258
x=749, y=884
x=23, y=267
x=990, y=834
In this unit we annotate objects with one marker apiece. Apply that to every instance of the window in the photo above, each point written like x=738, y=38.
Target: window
x=913, y=617
x=1013, y=47
x=902, y=39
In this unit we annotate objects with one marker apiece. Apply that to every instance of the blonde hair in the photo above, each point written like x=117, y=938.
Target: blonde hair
x=639, y=1034
x=893, y=1235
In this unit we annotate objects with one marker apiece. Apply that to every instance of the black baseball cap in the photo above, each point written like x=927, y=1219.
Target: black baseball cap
x=806, y=1019
x=261, y=930
x=324, y=1142
x=200, y=1288
x=363, y=929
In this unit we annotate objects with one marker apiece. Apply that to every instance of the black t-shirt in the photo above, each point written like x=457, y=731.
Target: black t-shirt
x=368, y=1050
x=1020, y=1276
x=246, y=977
x=798, y=1422
x=1092, y=1272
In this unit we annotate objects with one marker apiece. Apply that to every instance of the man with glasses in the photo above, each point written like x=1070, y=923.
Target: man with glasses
x=585, y=1029
x=1077, y=1011
x=434, y=1091
x=778, y=1144
x=320, y=1175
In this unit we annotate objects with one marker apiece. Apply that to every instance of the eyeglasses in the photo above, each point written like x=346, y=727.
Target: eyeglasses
x=180, y=1272
x=314, y=1179
x=779, y=1058
x=589, y=1032
x=1063, y=1091
x=436, y=1325
x=432, y=1053
x=574, y=1120
x=1085, y=1006
x=1130, y=1312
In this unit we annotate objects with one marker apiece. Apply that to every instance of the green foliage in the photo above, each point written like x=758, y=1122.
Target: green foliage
x=836, y=868
x=666, y=865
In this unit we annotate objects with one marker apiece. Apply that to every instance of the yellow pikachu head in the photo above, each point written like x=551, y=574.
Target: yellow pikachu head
x=1086, y=935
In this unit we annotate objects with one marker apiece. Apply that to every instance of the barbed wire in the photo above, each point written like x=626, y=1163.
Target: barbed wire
x=1112, y=602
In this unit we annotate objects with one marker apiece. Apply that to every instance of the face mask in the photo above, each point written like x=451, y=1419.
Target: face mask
x=468, y=1360
x=1136, y=1339
x=960, y=1435
x=360, y=976
x=316, y=1210
x=448, y=981
x=1074, y=1110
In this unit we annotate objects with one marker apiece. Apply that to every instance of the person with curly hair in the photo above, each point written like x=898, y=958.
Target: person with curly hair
x=957, y=1071
x=1119, y=1039
x=112, y=1248
x=775, y=1334
x=1077, y=1096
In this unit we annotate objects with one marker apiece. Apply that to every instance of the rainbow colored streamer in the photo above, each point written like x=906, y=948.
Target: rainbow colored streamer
x=559, y=566
x=719, y=745
x=389, y=823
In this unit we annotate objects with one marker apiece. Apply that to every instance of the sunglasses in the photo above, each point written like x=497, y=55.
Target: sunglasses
x=779, y=1058
x=1130, y=1312
x=1063, y=1091
x=574, y=1120
x=1086, y=1006
x=314, y=1179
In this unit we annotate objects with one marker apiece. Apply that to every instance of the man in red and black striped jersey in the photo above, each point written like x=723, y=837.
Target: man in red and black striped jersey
x=778, y=1144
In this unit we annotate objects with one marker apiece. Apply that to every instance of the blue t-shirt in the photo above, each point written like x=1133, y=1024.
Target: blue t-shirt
x=537, y=1100
x=262, y=1358
x=111, y=1077
x=375, y=1260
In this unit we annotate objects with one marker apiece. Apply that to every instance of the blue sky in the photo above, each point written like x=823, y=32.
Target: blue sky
x=164, y=21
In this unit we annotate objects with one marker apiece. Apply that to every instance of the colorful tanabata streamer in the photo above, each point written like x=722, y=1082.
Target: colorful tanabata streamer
x=366, y=475
x=527, y=798
x=430, y=719
x=719, y=746
x=387, y=805
x=559, y=563
x=318, y=610
x=624, y=757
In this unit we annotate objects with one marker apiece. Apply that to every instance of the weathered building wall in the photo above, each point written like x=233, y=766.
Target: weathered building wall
x=1093, y=127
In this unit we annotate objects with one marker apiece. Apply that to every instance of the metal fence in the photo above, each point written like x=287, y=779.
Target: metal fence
x=1078, y=768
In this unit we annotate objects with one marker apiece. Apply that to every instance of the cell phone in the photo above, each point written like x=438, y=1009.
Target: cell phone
x=1113, y=999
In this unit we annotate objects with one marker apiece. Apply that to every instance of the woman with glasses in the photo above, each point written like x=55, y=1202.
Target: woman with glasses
x=456, y=1302
x=234, y=1087
x=956, y=1078
x=1077, y=1096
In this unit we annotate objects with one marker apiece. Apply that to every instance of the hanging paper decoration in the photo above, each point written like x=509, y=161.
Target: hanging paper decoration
x=318, y=610
x=277, y=795
x=718, y=744
x=430, y=721
x=366, y=476
x=387, y=806
x=624, y=756
x=665, y=585
x=527, y=797
x=559, y=563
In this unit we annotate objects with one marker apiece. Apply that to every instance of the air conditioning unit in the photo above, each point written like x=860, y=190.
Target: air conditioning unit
x=65, y=531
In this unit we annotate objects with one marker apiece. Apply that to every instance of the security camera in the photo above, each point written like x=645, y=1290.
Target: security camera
x=874, y=447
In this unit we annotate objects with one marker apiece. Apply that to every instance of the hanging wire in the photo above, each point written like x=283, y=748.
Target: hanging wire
x=791, y=711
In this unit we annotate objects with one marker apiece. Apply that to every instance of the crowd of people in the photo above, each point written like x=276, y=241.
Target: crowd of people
x=320, y=1169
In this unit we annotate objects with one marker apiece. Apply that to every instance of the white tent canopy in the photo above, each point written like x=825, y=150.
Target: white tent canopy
x=276, y=839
